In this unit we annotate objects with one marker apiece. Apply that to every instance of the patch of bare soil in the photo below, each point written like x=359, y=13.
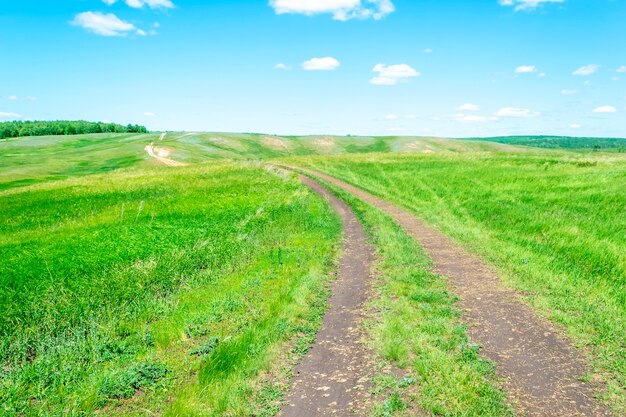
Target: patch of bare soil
x=162, y=155
x=333, y=378
x=540, y=370
x=275, y=143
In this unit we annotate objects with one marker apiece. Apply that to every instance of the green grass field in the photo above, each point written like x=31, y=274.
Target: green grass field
x=552, y=224
x=127, y=285
x=120, y=291
x=35, y=159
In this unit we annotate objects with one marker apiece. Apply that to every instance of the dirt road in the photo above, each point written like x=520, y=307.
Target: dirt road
x=332, y=379
x=541, y=371
x=161, y=155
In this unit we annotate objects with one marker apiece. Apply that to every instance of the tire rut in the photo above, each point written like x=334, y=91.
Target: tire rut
x=541, y=372
x=333, y=378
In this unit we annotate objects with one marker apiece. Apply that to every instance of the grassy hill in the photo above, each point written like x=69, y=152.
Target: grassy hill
x=29, y=160
x=128, y=285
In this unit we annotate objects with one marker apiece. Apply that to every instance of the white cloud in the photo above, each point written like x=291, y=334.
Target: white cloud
x=340, y=9
x=9, y=115
x=391, y=117
x=525, y=69
x=575, y=126
x=429, y=50
x=397, y=129
x=149, y=114
x=393, y=74
x=321, y=64
x=542, y=75
x=586, y=70
x=622, y=68
x=468, y=107
x=138, y=4
x=527, y=4
x=569, y=92
x=515, y=112
x=281, y=66
x=410, y=116
x=605, y=109
x=614, y=78
x=31, y=98
x=104, y=24
x=12, y=97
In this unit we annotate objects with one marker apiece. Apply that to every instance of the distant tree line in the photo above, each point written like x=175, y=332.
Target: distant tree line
x=63, y=127
x=566, y=142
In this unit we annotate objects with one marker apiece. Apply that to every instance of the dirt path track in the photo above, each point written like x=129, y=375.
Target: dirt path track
x=161, y=155
x=541, y=372
x=332, y=378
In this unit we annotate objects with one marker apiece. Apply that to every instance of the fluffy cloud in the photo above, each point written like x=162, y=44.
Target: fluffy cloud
x=104, y=24
x=468, y=107
x=149, y=114
x=138, y=4
x=9, y=115
x=622, y=68
x=393, y=74
x=391, y=117
x=515, y=112
x=321, y=64
x=569, y=92
x=281, y=66
x=605, y=109
x=586, y=70
x=527, y=4
x=12, y=97
x=525, y=69
x=340, y=9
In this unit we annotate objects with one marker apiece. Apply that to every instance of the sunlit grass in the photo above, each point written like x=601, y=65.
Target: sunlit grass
x=122, y=292
x=552, y=224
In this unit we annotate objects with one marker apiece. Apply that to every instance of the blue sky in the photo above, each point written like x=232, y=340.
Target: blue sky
x=384, y=67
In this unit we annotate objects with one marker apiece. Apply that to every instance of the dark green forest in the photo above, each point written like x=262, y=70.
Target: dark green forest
x=63, y=127
x=564, y=142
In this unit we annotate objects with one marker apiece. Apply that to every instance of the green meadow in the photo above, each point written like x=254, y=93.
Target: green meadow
x=119, y=291
x=553, y=224
x=132, y=288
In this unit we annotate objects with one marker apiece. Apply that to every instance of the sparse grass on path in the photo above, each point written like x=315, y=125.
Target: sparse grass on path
x=553, y=225
x=416, y=326
x=168, y=291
